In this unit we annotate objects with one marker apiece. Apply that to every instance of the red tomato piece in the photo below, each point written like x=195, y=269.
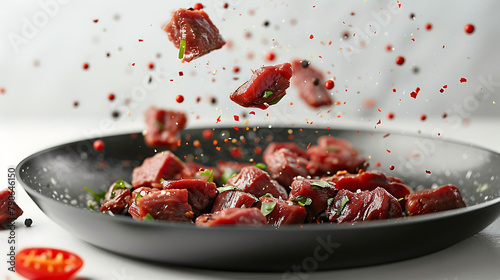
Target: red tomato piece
x=47, y=263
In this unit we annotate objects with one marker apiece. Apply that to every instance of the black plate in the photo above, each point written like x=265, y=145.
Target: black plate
x=55, y=177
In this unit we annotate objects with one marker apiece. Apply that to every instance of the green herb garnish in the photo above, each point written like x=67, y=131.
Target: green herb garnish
x=120, y=184
x=261, y=166
x=267, y=93
x=302, y=200
x=137, y=196
x=344, y=201
x=149, y=217
x=91, y=207
x=97, y=196
x=182, y=48
x=225, y=189
x=209, y=173
x=275, y=101
x=228, y=174
x=332, y=149
x=318, y=185
x=160, y=125
x=399, y=199
x=266, y=195
x=330, y=201
x=267, y=207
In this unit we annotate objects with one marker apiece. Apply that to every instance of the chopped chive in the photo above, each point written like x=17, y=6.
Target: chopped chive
x=261, y=166
x=275, y=101
x=137, y=196
x=267, y=93
x=97, y=196
x=182, y=48
x=149, y=217
x=225, y=189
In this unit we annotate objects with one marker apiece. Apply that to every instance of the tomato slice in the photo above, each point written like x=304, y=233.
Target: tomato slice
x=47, y=263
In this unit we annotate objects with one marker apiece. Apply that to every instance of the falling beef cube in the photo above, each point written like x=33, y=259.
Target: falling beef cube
x=284, y=212
x=284, y=165
x=201, y=193
x=232, y=216
x=266, y=86
x=350, y=207
x=163, y=126
x=434, y=200
x=233, y=199
x=163, y=165
x=133, y=210
x=368, y=181
x=196, y=30
x=257, y=182
x=317, y=191
x=9, y=210
x=310, y=82
x=118, y=198
x=332, y=155
x=168, y=205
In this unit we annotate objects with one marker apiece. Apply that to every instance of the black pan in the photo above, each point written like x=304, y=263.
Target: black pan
x=55, y=177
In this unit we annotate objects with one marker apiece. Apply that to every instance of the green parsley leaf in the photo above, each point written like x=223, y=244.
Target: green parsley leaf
x=302, y=200
x=91, y=207
x=160, y=125
x=318, y=185
x=209, y=173
x=344, y=201
x=227, y=174
x=120, y=184
x=267, y=207
x=149, y=217
x=97, y=196
x=267, y=93
x=225, y=189
x=330, y=201
x=261, y=166
x=182, y=48
x=275, y=101
x=137, y=196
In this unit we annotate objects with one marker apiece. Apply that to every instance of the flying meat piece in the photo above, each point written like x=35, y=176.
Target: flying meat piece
x=163, y=126
x=266, y=87
x=309, y=81
x=193, y=31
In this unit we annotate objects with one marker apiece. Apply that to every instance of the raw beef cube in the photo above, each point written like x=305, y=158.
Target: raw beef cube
x=163, y=165
x=332, y=155
x=201, y=193
x=233, y=199
x=232, y=216
x=163, y=126
x=195, y=27
x=9, y=210
x=266, y=86
x=318, y=191
x=118, y=198
x=310, y=82
x=349, y=207
x=168, y=205
x=133, y=210
x=257, y=182
x=284, y=165
x=228, y=169
x=369, y=180
x=272, y=147
x=434, y=200
x=284, y=212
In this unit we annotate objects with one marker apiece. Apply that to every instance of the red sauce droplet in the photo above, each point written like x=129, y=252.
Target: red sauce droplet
x=198, y=6
x=329, y=84
x=390, y=115
x=311, y=37
x=2, y=90
x=428, y=171
x=252, y=113
x=428, y=26
x=179, y=98
x=85, y=66
x=236, y=118
x=423, y=117
x=198, y=99
x=393, y=90
x=207, y=134
x=469, y=28
x=75, y=104
x=463, y=80
x=378, y=164
x=415, y=93
x=400, y=60
x=181, y=73
x=388, y=48
x=98, y=145
x=270, y=56
x=236, y=69
x=151, y=65
x=391, y=167
x=226, y=5
x=111, y=96
x=444, y=115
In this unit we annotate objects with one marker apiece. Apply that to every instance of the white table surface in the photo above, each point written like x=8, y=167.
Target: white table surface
x=475, y=258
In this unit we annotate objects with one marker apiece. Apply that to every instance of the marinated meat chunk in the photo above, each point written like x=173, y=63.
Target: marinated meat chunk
x=434, y=200
x=332, y=155
x=318, y=191
x=284, y=165
x=232, y=216
x=273, y=147
x=9, y=210
x=201, y=193
x=197, y=30
x=163, y=165
x=233, y=199
x=266, y=86
x=133, y=210
x=257, y=182
x=349, y=207
x=169, y=205
x=163, y=126
x=228, y=169
x=369, y=180
x=284, y=212
x=195, y=169
x=309, y=82
x=118, y=198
